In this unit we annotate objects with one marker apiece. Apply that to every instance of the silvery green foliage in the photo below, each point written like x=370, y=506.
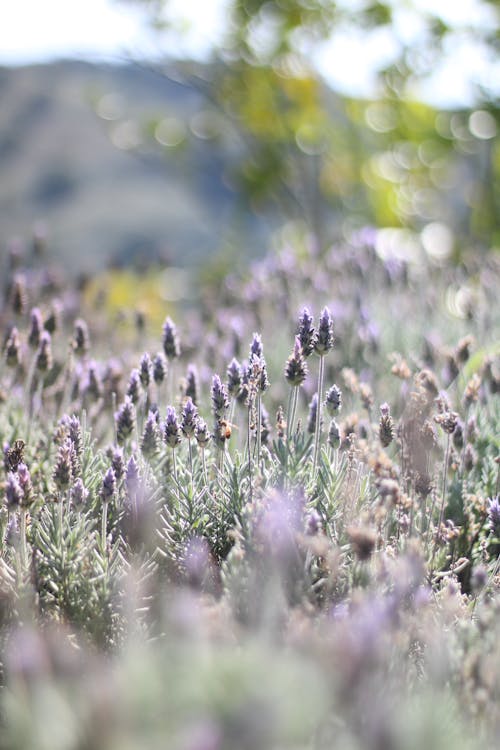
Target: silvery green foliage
x=208, y=589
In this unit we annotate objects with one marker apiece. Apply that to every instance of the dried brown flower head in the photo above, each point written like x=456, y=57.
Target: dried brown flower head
x=363, y=540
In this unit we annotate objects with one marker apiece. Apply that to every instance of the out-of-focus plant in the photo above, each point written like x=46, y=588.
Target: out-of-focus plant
x=188, y=558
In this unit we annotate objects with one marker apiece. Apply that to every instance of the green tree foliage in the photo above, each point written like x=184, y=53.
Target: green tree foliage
x=318, y=156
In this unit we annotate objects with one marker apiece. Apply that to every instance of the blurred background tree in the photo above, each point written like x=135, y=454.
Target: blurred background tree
x=389, y=159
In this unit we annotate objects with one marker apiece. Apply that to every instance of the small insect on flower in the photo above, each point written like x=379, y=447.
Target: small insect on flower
x=14, y=456
x=225, y=429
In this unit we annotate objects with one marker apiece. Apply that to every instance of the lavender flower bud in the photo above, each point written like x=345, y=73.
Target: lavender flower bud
x=125, y=420
x=363, y=541
x=311, y=419
x=132, y=477
x=472, y=431
x=386, y=426
x=256, y=348
x=117, y=463
x=13, y=491
x=296, y=367
x=150, y=440
x=72, y=429
x=366, y=396
x=462, y=351
x=36, y=327
x=202, y=434
x=244, y=390
x=12, y=531
x=258, y=373
x=470, y=457
x=145, y=370
x=26, y=485
x=333, y=400
x=189, y=418
x=53, y=320
x=220, y=397
x=192, y=384
x=170, y=340
x=471, y=393
x=78, y=495
x=134, y=386
x=334, y=435
x=306, y=332
x=93, y=386
x=75, y=434
x=234, y=376
x=159, y=368
x=13, y=348
x=43, y=361
x=458, y=435
x=312, y=523
x=63, y=470
x=19, y=295
x=324, y=341
x=494, y=516
x=108, y=487
x=171, y=430
x=81, y=339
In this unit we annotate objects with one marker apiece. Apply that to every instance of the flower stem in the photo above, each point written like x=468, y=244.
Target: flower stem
x=24, y=553
x=104, y=526
x=321, y=376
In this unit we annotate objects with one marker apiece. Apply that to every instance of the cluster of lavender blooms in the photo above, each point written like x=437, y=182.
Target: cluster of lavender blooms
x=294, y=513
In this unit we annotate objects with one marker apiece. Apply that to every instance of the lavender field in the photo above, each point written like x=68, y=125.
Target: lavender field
x=269, y=521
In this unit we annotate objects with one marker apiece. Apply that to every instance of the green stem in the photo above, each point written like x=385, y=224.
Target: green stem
x=24, y=552
x=174, y=465
x=321, y=376
x=443, y=498
x=292, y=408
x=204, y=465
x=250, y=473
x=445, y=479
x=259, y=423
x=104, y=526
x=191, y=465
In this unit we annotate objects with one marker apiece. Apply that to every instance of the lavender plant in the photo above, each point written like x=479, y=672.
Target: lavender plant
x=254, y=594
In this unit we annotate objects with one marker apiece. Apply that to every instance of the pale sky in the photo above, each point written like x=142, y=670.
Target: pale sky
x=41, y=30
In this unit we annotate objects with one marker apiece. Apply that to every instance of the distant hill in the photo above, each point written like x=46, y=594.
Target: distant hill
x=66, y=132
x=122, y=164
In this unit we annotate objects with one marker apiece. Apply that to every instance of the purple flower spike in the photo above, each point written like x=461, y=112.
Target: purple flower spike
x=172, y=432
x=125, y=420
x=494, y=515
x=324, y=341
x=36, y=327
x=134, y=386
x=145, y=370
x=234, y=377
x=108, y=487
x=13, y=491
x=296, y=366
x=256, y=347
x=78, y=494
x=306, y=332
x=171, y=345
x=189, y=418
x=132, y=476
x=220, y=397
